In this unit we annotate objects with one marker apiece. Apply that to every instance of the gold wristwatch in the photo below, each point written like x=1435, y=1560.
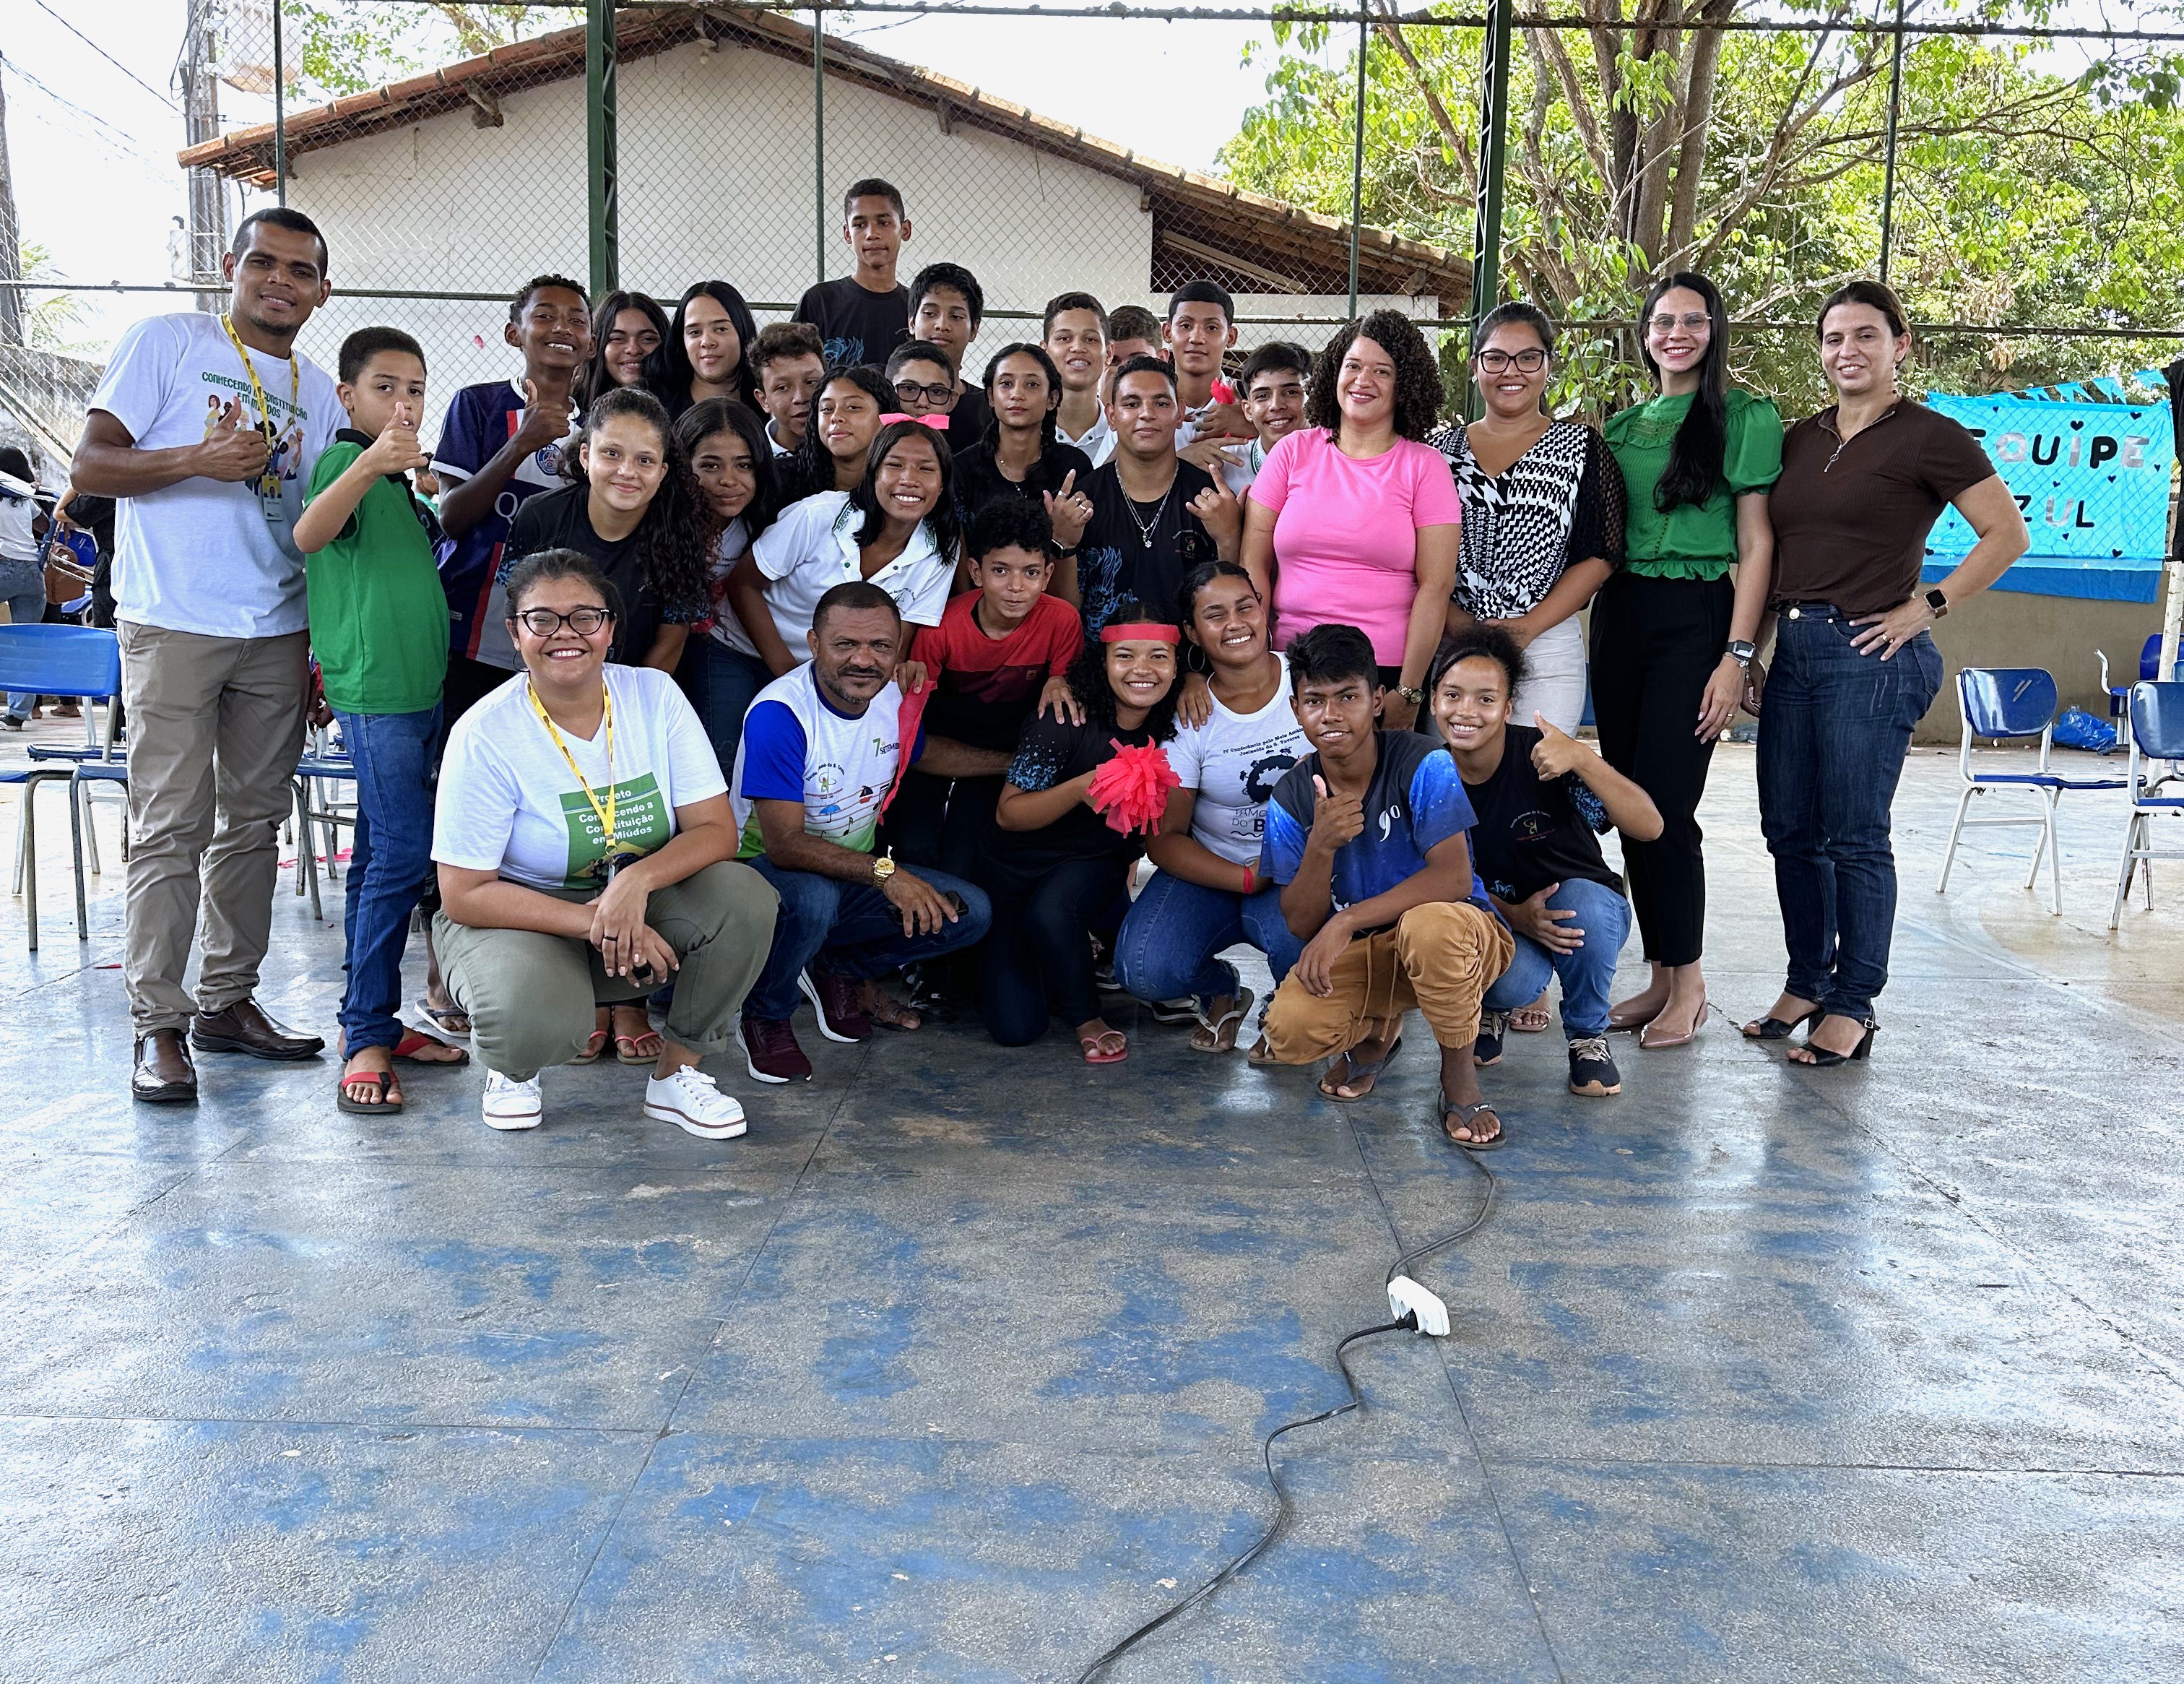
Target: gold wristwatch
x=884, y=867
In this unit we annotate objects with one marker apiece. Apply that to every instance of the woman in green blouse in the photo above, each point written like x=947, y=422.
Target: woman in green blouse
x=1671, y=635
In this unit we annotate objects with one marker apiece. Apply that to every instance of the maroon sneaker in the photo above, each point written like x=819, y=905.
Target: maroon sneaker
x=840, y=1003
x=771, y=1053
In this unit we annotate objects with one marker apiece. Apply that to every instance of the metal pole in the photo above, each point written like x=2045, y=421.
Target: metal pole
x=279, y=111
x=1358, y=160
x=12, y=303
x=602, y=168
x=1888, y=172
x=819, y=145
x=1493, y=156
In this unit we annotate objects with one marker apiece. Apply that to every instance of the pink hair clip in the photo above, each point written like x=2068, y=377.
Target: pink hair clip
x=938, y=423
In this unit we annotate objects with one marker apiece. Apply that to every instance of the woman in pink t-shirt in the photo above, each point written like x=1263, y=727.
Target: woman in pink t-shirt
x=1352, y=521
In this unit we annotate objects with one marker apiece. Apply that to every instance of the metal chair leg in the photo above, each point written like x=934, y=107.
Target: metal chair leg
x=76, y=859
x=2126, y=868
x=307, y=861
x=1956, y=831
x=27, y=865
x=2054, y=857
x=2039, y=852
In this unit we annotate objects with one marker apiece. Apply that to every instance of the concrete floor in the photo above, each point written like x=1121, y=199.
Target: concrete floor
x=954, y=1368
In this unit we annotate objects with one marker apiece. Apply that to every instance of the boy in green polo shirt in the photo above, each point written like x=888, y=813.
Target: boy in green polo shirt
x=379, y=628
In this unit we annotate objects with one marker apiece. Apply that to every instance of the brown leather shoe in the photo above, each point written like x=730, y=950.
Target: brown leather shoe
x=163, y=1075
x=244, y=1028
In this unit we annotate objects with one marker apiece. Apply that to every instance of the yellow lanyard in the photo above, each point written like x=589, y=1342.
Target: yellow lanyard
x=604, y=814
x=269, y=484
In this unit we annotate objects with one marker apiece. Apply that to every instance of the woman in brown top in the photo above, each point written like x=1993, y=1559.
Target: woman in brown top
x=1861, y=485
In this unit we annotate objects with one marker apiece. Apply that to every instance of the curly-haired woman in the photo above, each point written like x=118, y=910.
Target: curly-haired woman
x=1353, y=520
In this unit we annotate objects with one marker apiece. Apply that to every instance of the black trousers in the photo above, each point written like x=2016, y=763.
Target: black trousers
x=1655, y=644
x=1039, y=954
x=940, y=822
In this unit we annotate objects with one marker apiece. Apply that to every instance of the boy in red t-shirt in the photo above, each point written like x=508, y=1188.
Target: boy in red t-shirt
x=995, y=653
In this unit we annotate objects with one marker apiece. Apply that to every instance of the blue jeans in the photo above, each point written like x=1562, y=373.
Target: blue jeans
x=25, y=608
x=1587, y=974
x=720, y=683
x=390, y=863
x=849, y=929
x=1174, y=929
x=1833, y=731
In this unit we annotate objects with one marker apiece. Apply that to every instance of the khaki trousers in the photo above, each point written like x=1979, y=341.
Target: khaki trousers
x=215, y=726
x=1441, y=958
x=530, y=995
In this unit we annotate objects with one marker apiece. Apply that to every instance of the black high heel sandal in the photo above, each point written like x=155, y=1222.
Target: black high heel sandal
x=1782, y=1028
x=1822, y=1059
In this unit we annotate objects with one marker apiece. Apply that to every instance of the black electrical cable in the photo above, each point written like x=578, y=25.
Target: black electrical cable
x=1283, y=1507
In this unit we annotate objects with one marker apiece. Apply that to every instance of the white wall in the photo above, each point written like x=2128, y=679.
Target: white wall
x=716, y=172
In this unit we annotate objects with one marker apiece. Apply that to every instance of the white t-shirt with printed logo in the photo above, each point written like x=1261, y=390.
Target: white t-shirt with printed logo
x=509, y=804
x=201, y=555
x=813, y=547
x=797, y=746
x=1233, y=760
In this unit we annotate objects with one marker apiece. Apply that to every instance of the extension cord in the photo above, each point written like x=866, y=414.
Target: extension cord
x=1410, y=1307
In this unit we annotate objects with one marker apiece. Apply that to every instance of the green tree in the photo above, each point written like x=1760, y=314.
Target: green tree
x=50, y=324
x=1641, y=145
x=347, y=46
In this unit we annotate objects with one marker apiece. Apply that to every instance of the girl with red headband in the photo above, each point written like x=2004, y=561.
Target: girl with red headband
x=1074, y=814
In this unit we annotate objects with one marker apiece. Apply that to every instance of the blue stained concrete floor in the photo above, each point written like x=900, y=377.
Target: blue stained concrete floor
x=955, y=1367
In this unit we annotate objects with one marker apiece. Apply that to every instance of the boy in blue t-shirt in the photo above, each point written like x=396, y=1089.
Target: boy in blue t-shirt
x=1369, y=837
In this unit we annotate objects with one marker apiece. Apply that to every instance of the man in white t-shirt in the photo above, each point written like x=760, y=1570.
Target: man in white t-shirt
x=822, y=749
x=206, y=428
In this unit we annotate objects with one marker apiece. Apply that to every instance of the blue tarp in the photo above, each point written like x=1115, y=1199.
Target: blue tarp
x=2092, y=479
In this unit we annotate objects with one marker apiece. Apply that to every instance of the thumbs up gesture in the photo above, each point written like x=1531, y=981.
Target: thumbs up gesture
x=231, y=451
x=1336, y=819
x=395, y=450
x=1557, y=751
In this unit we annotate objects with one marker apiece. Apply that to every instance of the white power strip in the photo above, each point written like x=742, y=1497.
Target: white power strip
x=1406, y=1297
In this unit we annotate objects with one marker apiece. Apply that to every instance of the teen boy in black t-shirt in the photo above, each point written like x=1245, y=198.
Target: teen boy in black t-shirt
x=865, y=314
x=1539, y=798
x=1154, y=518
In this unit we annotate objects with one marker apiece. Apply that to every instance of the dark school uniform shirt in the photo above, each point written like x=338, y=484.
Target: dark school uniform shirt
x=481, y=419
x=984, y=688
x=979, y=479
x=1414, y=804
x=1851, y=517
x=1529, y=832
x=855, y=326
x=561, y=520
x=1049, y=753
x=1144, y=555
x=969, y=421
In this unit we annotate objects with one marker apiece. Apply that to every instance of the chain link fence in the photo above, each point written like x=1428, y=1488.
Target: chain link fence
x=446, y=168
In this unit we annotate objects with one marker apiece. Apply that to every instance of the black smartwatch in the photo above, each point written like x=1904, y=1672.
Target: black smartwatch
x=1741, y=652
x=1938, y=602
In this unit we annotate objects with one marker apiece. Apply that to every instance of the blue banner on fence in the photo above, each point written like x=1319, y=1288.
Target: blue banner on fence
x=2091, y=477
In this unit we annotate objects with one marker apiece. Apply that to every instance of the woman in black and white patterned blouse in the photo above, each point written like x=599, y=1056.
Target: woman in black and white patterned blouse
x=1542, y=513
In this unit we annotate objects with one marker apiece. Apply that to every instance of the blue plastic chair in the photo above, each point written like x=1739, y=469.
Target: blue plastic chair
x=2157, y=734
x=2119, y=695
x=315, y=809
x=54, y=660
x=2007, y=703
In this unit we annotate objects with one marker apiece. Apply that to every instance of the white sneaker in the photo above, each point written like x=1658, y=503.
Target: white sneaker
x=510, y=1104
x=692, y=1103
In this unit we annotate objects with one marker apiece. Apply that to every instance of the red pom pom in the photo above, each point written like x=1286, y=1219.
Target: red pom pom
x=1130, y=791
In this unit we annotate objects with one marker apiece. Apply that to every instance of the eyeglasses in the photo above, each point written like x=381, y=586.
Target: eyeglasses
x=1499, y=362
x=909, y=392
x=543, y=622
x=1691, y=324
